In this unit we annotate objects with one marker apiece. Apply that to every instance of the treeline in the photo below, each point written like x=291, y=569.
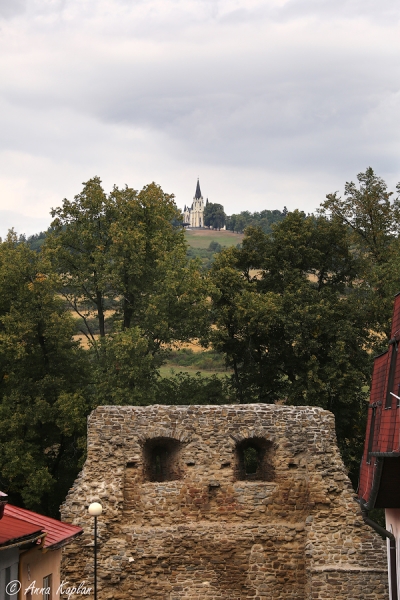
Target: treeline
x=215, y=217
x=264, y=219
x=35, y=241
x=297, y=317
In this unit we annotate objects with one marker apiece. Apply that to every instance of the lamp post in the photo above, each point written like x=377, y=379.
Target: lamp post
x=95, y=509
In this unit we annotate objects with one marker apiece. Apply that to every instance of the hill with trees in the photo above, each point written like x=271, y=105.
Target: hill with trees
x=264, y=220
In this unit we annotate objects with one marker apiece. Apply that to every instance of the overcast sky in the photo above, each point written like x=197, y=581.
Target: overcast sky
x=269, y=103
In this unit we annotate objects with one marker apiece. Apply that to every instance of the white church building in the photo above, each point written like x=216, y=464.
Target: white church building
x=193, y=216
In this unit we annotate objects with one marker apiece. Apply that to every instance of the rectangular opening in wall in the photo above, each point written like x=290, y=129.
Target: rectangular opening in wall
x=389, y=488
x=255, y=460
x=132, y=478
x=47, y=585
x=161, y=459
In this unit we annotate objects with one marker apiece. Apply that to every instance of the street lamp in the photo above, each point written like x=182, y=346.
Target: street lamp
x=95, y=509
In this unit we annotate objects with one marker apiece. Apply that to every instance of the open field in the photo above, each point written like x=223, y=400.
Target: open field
x=194, y=360
x=201, y=238
x=194, y=345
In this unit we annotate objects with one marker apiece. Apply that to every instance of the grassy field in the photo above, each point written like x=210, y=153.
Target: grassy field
x=195, y=360
x=201, y=238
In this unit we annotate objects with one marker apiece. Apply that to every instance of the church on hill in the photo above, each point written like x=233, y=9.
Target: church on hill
x=193, y=216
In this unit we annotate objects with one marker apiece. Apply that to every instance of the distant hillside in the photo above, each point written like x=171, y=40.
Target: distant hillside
x=202, y=238
x=205, y=243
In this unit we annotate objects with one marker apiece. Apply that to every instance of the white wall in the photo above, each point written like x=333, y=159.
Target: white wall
x=392, y=516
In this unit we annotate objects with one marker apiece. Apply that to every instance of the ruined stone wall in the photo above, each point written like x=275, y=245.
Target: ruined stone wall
x=221, y=502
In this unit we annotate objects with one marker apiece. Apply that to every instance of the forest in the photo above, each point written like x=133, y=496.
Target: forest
x=296, y=314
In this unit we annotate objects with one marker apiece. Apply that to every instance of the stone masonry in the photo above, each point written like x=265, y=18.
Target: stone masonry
x=221, y=502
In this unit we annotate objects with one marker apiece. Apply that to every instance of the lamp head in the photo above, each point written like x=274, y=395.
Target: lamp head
x=95, y=509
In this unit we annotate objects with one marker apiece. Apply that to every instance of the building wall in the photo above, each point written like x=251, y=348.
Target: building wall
x=194, y=215
x=35, y=564
x=197, y=213
x=9, y=559
x=211, y=527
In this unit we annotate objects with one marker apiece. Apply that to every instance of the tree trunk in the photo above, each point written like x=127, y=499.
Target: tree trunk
x=100, y=313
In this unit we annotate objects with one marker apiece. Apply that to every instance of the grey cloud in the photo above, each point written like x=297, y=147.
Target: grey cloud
x=354, y=9
x=307, y=113
x=217, y=89
x=383, y=11
x=11, y=8
x=247, y=116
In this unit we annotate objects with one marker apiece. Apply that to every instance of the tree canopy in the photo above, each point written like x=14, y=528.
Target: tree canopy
x=123, y=253
x=372, y=217
x=293, y=320
x=214, y=215
x=263, y=219
x=43, y=377
x=296, y=312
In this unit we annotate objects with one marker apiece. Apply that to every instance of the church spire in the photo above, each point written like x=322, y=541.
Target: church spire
x=198, y=192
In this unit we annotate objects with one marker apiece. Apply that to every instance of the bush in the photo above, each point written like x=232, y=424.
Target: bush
x=185, y=389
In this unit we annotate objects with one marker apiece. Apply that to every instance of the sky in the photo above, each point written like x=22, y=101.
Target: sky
x=270, y=103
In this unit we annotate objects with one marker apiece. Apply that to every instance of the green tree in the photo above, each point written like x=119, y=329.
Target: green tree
x=126, y=371
x=368, y=211
x=184, y=389
x=373, y=219
x=298, y=328
x=124, y=252
x=264, y=219
x=230, y=222
x=240, y=223
x=161, y=291
x=42, y=372
x=214, y=215
x=78, y=247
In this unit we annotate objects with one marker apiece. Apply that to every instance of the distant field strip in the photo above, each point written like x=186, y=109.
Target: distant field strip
x=201, y=238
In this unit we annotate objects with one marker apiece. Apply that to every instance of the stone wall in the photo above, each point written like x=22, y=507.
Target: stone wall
x=221, y=502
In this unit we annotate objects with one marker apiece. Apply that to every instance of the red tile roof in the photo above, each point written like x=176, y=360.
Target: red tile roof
x=380, y=466
x=58, y=533
x=13, y=530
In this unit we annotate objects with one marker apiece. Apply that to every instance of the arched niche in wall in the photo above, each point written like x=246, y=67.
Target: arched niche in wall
x=161, y=459
x=255, y=460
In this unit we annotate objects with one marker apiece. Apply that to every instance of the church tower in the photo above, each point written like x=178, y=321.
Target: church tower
x=194, y=216
x=197, y=212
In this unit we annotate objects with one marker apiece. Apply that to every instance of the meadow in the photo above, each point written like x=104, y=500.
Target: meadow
x=195, y=359
x=201, y=238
